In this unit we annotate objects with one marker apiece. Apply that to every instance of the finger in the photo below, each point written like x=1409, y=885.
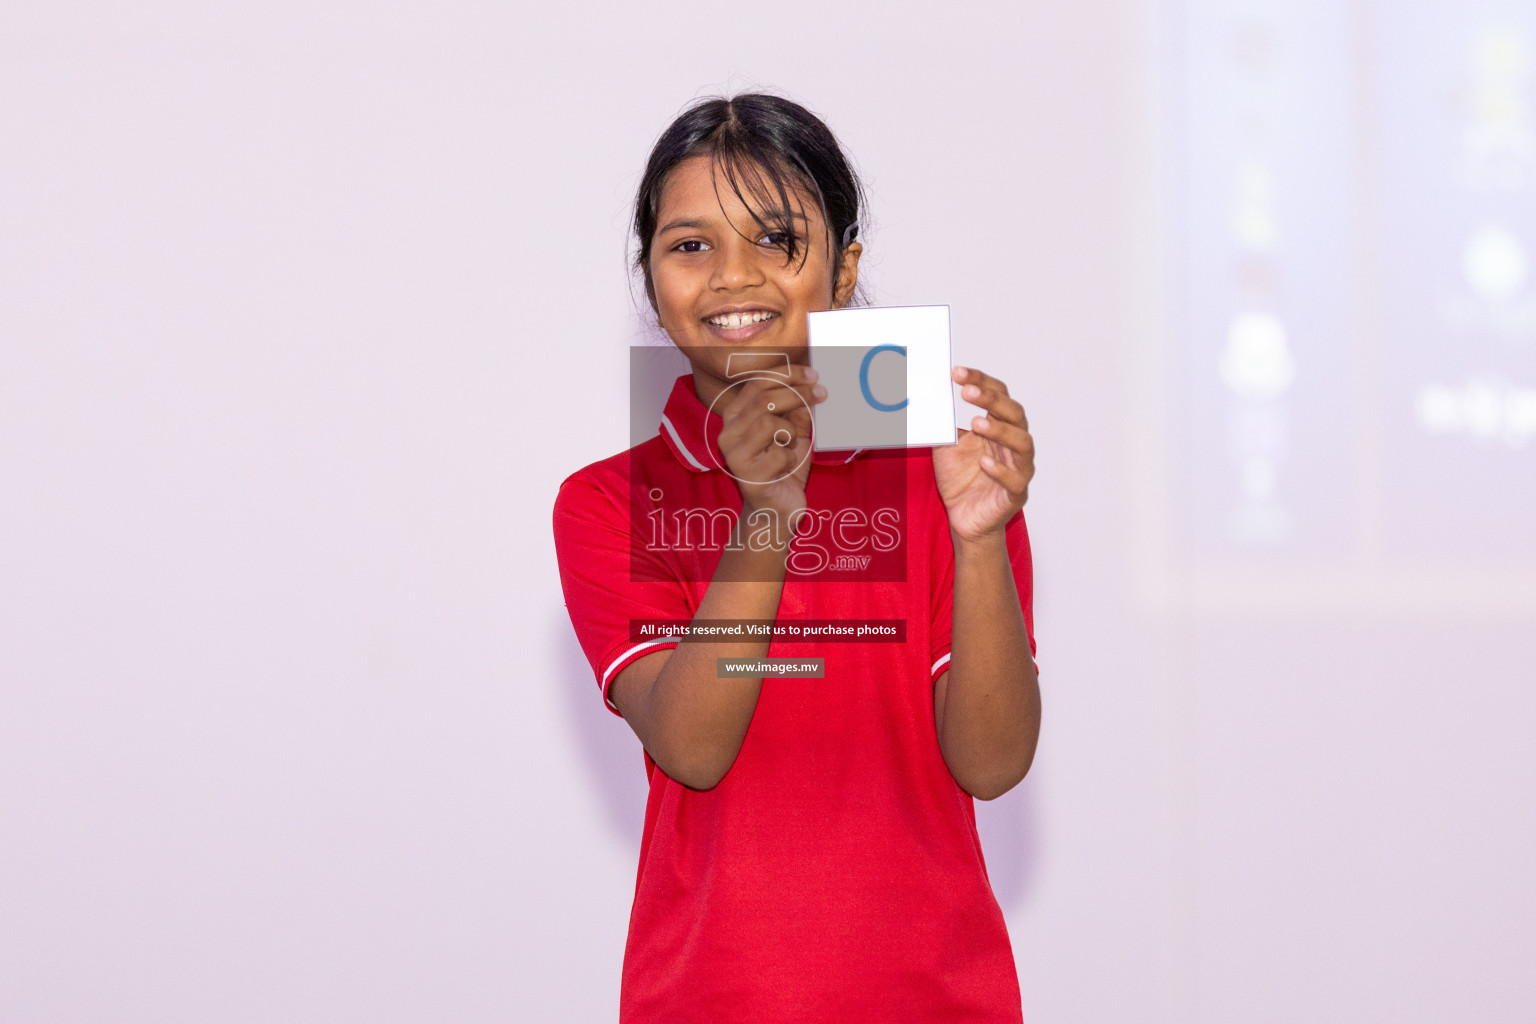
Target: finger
x=798, y=376
x=775, y=395
x=990, y=394
x=980, y=388
x=801, y=421
x=1009, y=435
x=737, y=436
x=971, y=375
x=745, y=416
x=760, y=464
x=800, y=398
x=764, y=432
x=751, y=429
x=998, y=405
x=772, y=464
x=1015, y=480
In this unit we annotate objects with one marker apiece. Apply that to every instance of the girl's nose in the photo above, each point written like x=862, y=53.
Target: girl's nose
x=737, y=266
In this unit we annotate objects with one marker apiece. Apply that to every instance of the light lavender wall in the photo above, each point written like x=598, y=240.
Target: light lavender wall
x=306, y=311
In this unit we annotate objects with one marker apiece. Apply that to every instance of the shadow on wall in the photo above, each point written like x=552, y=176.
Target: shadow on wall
x=616, y=766
x=610, y=750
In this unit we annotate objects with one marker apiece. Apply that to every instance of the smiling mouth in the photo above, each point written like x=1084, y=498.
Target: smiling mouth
x=732, y=321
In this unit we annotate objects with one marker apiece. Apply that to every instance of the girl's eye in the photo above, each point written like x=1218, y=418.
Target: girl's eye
x=692, y=245
x=776, y=239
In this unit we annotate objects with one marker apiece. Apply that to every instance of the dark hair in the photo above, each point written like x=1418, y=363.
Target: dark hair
x=769, y=148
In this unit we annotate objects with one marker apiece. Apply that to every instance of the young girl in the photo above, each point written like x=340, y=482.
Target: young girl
x=810, y=850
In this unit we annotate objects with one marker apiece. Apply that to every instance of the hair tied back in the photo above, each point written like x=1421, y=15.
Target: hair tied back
x=770, y=150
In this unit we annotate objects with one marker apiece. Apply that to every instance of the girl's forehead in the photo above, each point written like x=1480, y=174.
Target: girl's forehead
x=702, y=186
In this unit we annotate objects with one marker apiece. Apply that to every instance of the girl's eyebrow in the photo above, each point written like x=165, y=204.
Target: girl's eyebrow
x=694, y=222
x=681, y=222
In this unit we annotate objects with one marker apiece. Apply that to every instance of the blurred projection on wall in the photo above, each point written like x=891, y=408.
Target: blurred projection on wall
x=1455, y=206
x=1355, y=365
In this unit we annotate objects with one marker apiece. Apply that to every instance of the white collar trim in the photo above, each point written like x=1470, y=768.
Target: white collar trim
x=677, y=440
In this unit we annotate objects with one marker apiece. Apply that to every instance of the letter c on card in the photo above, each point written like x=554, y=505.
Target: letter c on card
x=869, y=396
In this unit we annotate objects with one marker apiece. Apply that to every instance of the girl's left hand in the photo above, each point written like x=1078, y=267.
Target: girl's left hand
x=984, y=478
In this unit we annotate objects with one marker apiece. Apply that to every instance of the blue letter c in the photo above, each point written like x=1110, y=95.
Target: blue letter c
x=869, y=396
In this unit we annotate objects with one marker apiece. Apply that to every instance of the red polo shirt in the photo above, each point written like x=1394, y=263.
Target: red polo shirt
x=835, y=873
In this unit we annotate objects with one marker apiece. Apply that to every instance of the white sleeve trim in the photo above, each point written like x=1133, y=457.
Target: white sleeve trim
x=942, y=662
x=616, y=662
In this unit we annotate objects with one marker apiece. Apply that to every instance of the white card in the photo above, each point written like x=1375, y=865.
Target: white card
x=886, y=371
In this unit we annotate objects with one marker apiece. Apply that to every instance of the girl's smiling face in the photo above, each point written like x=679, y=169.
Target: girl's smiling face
x=723, y=283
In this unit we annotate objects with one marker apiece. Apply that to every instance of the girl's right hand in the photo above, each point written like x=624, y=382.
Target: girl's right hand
x=766, y=439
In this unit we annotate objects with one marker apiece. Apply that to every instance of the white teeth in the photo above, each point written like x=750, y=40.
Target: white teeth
x=731, y=321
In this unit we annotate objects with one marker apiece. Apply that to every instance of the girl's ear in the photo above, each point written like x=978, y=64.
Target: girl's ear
x=847, y=275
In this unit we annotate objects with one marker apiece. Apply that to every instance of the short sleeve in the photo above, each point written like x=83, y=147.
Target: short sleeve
x=592, y=544
x=942, y=599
